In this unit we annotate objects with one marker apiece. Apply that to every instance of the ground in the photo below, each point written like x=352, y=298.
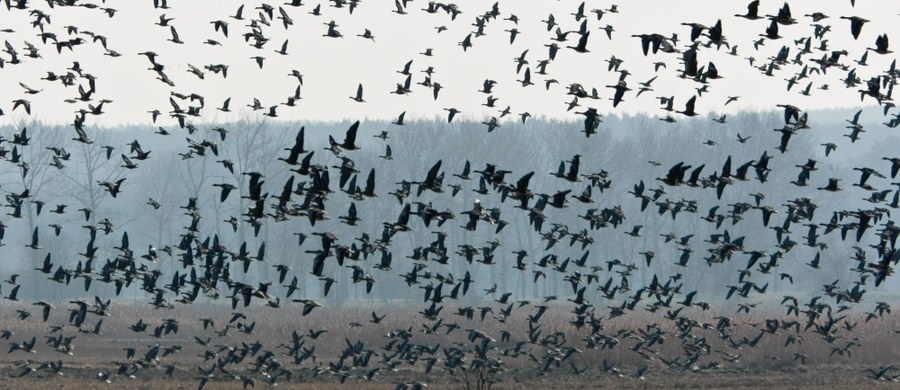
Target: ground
x=771, y=364
x=818, y=378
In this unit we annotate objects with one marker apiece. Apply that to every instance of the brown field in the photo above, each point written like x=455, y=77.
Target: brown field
x=769, y=365
x=814, y=378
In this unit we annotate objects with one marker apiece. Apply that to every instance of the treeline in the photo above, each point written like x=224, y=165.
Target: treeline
x=626, y=151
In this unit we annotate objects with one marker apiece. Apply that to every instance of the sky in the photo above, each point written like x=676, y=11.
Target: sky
x=332, y=68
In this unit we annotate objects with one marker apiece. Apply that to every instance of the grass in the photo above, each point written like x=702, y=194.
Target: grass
x=770, y=364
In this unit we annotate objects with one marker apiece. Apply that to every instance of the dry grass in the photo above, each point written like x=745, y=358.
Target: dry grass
x=819, y=378
x=770, y=364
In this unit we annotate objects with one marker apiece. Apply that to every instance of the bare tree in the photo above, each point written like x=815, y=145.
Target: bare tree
x=39, y=167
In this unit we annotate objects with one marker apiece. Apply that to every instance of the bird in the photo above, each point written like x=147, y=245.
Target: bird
x=387, y=153
x=856, y=25
x=752, y=11
x=452, y=112
x=367, y=34
x=174, y=38
x=259, y=60
x=399, y=121
x=689, y=107
x=283, y=50
x=33, y=245
x=466, y=42
x=635, y=231
x=832, y=186
x=359, y=94
x=582, y=43
x=881, y=45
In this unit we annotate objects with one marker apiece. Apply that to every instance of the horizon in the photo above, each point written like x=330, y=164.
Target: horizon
x=822, y=115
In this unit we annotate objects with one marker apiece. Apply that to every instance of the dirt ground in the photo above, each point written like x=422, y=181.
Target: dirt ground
x=769, y=365
x=819, y=378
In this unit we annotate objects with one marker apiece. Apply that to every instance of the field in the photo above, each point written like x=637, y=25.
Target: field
x=770, y=364
x=816, y=378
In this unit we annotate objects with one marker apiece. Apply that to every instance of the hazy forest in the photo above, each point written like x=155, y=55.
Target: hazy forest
x=623, y=150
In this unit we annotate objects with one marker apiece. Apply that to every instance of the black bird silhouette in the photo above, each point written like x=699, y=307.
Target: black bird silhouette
x=856, y=25
x=689, y=107
x=752, y=11
x=582, y=43
x=784, y=15
x=34, y=240
x=349, y=142
x=13, y=294
x=452, y=113
x=881, y=46
x=174, y=38
x=466, y=42
x=676, y=174
x=359, y=94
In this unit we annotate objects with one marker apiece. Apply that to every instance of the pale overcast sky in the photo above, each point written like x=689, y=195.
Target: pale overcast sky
x=333, y=67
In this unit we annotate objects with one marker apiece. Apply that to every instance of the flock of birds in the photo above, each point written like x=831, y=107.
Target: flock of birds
x=208, y=263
